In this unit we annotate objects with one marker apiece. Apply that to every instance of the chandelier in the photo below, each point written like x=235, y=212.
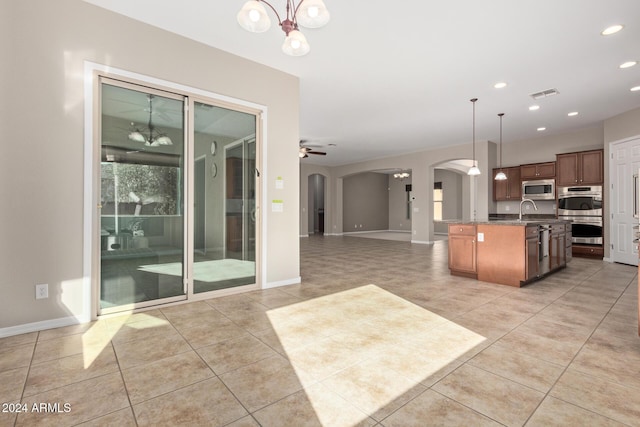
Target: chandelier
x=152, y=138
x=401, y=175
x=308, y=13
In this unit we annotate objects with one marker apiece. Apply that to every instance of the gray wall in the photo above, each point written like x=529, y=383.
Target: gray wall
x=316, y=201
x=42, y=167
x=398, y=204
x=366, y=202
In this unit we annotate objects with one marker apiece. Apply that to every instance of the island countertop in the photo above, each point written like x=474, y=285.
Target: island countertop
x=524, y=222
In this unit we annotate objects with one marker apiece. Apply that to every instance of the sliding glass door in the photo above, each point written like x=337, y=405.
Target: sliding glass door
x=227, y=198
x=177, y=214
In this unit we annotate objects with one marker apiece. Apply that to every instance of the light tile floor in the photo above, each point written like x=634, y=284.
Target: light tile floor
x=377, y=334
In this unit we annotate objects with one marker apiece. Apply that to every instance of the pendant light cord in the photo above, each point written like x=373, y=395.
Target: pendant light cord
x=473, y=100
x=501, y=114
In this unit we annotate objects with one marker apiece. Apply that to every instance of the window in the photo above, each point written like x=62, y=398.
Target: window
x=437, y=201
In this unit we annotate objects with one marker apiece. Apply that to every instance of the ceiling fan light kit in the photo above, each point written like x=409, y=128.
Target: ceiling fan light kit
x=305, y=151
x=253, y=17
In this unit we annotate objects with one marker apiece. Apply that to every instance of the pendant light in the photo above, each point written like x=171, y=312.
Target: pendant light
x=474, y=170
x=500, y=176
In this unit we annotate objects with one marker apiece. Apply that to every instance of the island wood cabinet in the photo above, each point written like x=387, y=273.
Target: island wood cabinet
x=557, y=246
x=510, y=188
x=508, y=253
x=462, y=250
x=538, y=171
x=532, y=253
x=568, y=243
x=585, y=167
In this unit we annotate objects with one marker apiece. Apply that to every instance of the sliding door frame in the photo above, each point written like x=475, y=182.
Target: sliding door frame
x=94, y=74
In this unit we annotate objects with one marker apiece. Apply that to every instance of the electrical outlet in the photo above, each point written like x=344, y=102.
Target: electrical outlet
x=42, y=291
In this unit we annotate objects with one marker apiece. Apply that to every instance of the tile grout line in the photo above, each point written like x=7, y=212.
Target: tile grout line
x=547, y=394
x=209, y=367
x=26, y=379
x=124, y=383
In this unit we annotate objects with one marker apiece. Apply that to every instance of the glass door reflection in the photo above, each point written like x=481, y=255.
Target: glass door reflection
x=141, y=196
x=224, y=198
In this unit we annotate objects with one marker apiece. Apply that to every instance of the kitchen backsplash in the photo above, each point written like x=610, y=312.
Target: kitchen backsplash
x=545, y=207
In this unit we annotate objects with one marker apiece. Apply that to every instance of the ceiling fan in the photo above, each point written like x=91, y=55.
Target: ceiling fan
x=305, y=150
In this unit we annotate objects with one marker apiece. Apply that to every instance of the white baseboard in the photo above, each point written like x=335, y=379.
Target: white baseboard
x=346, y=233
x=304, y=235
x=43, y=325
x=423, y=242
x=287, y=282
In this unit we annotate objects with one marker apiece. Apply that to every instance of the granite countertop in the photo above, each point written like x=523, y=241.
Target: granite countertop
x=524, y=222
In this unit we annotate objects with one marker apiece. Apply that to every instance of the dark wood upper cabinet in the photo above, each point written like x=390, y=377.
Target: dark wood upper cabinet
x=538, y=171
x=586, y=167
x=509, y=189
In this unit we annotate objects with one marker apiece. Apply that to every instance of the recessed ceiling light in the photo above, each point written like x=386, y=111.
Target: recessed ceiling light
x=612, y=30
x=635, y=89
x=541, y=129
x=534, y=108
x=573, y=113
x=500, y=85
x=628, y=64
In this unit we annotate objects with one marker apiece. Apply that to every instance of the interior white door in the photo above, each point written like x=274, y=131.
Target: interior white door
x=624, y=162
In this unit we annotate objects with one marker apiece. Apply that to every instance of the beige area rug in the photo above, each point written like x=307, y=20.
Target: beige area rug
x=384, y=235
x=207, y=271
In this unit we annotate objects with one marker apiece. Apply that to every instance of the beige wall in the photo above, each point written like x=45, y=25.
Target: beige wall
x=625, y=125
x=42, y=161
x=422, y=165
x=544, y=149
x=452, y=197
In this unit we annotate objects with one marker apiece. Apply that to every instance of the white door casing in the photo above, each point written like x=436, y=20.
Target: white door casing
x=624, y=163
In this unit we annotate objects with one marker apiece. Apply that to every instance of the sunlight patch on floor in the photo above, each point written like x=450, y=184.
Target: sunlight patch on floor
x=368, y=346
x=102, y=332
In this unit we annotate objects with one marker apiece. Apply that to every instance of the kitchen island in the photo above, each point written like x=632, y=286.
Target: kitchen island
x=510, y=252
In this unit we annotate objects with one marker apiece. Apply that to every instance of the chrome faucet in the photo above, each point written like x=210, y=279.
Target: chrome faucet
x=526, y=200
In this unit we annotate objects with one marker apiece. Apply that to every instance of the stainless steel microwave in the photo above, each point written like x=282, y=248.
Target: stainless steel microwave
x=539, y=189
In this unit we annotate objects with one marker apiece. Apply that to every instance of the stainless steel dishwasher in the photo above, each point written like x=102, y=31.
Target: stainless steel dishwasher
x=543, y=255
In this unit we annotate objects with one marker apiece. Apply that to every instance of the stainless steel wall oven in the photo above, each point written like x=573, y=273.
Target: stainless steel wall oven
x=582, y=205
x=580, y=201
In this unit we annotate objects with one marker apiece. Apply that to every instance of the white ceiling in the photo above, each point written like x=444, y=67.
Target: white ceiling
x=385, y=78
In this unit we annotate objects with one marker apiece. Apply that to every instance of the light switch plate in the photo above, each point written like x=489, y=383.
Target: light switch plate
x=480, y=237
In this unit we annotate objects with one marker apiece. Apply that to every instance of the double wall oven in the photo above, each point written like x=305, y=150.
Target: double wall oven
x=582, y=205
